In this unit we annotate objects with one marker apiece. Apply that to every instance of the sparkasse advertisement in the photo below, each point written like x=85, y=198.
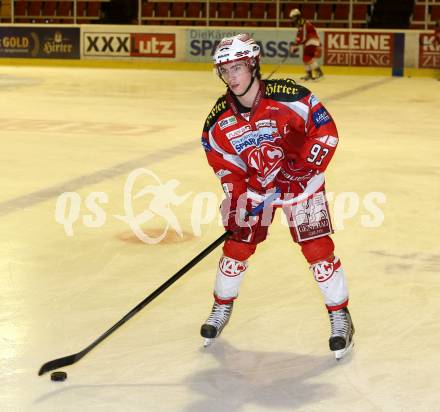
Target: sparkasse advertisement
x=274, y=44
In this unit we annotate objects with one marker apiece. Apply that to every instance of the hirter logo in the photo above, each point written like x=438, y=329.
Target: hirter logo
x=153, y=45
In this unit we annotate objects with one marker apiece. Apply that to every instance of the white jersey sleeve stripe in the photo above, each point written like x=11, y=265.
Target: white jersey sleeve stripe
x=299, y=108
x=233, y=159
x=328, y=140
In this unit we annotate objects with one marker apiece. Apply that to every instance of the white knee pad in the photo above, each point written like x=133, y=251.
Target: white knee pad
x=314, y=65
x=230, y=274
x=331, y=281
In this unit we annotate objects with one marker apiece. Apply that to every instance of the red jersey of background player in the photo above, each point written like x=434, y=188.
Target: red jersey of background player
x=307, y=34
x=288, y=129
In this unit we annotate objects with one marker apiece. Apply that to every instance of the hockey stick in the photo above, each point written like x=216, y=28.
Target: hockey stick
x=277, y=68
x=71, y=359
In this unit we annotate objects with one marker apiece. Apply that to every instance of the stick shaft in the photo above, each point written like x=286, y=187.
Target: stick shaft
x=255, y=211
x=160, y=289
x=71, y=359
x=277, y=68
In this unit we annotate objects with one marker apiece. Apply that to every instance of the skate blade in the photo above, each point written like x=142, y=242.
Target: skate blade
x=207, y=342
x=339, y=354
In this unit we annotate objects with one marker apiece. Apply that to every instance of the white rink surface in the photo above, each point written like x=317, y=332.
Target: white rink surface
x=85, y=130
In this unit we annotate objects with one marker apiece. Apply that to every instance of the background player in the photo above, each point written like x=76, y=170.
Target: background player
x=309, y=39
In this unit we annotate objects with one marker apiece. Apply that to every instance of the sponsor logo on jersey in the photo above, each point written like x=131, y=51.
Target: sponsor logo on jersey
x=206, y=145
x=229, y=121
x=254, y=139
x=222, y=172
x=321, y=117
x=265, y=123
x=238, y=132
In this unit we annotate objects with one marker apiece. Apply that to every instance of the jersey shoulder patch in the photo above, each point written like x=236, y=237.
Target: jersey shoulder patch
x=285, y=90
x=219, y=108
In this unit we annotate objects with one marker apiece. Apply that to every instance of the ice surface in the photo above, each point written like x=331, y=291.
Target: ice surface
x=86, y=130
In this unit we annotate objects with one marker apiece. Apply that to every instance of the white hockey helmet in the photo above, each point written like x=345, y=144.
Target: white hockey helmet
x=294, y=13
x=239, y=47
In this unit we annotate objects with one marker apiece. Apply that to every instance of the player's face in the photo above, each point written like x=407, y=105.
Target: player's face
x=237, y=75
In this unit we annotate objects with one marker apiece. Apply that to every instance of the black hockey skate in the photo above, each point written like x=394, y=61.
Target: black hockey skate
x=216, y=321
x=341, y=340
x=308, y=76
x=319, y=74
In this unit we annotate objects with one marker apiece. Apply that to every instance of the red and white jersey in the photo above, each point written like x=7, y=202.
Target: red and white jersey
x=307, y=34
x=286, y=126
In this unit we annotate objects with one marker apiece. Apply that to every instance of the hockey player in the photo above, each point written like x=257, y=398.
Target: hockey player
x=259, y=136
x=307, y=37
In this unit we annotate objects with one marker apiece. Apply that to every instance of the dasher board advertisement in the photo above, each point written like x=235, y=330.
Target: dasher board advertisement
x=358, y=49
x=119, y=44
x=39, y=42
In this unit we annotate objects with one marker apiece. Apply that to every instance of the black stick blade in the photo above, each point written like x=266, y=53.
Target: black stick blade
x=57, y=363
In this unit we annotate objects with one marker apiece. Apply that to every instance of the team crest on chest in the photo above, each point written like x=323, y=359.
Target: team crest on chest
x=267, y=161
